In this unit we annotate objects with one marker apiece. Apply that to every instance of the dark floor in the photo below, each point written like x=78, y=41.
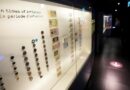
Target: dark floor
x=110, y=70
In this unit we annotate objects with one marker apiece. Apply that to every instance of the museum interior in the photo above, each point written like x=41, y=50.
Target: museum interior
x=64, y=45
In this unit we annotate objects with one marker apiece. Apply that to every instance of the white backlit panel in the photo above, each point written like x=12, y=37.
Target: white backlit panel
x=39, y=43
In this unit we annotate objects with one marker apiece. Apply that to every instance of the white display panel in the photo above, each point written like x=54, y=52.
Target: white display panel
x=107, y=22
x=28, y=57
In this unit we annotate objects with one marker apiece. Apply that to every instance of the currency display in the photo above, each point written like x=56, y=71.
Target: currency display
x=41, y=43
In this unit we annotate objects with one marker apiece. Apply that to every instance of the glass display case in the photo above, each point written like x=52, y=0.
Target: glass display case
x=43, y=44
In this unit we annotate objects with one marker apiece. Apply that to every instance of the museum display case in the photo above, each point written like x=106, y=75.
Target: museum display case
x=43, y=45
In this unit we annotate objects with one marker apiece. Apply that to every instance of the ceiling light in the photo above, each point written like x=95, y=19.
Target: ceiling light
x=118, y=3
x=115, y=10
x=113, y=27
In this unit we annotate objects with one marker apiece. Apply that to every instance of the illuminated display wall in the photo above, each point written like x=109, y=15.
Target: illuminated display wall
x=107, y=22
x=40, y=45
